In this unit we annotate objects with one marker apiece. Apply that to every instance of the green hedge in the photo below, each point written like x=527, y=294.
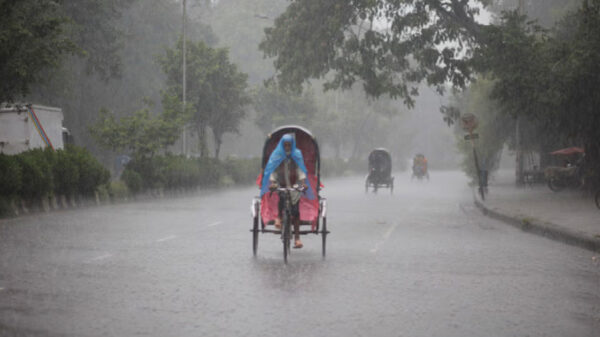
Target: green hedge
x=174, y=172
x=170, y=172
x=36, y=174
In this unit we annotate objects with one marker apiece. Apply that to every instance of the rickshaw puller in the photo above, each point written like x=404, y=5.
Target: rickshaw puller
x=287, y=174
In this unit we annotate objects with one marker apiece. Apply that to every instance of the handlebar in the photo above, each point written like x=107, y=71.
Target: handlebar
x=296, y=187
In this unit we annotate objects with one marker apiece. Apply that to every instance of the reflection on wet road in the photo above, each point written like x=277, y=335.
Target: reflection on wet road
x=421, y=262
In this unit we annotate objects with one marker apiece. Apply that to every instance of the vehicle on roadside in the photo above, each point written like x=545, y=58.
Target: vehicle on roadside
x=380, y=171
x=570, y=173
x=25, y=126
x=312, y=210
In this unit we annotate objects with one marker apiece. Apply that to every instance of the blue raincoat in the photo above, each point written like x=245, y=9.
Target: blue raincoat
x=277, y=156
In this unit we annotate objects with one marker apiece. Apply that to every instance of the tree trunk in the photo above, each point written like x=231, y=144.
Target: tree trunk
x=218, y=141
x=201, y=130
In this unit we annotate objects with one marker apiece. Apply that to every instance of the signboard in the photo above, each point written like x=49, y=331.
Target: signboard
x=468, y=122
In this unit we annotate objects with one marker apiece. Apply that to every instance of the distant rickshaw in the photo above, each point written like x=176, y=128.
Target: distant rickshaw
x=420, y=167
x=380, y=171
x=312, y=208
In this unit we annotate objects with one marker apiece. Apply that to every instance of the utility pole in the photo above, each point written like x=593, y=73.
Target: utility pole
x=518, y=140
x=183, y=31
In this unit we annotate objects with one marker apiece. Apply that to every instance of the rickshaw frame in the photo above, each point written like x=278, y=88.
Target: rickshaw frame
x=259, y=226
x=388, y=181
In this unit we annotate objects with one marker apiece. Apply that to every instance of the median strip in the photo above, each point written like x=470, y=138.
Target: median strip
x=170, y=237
x=386, y=236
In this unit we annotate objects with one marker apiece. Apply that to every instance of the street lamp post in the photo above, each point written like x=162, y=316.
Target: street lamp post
x=183, y=33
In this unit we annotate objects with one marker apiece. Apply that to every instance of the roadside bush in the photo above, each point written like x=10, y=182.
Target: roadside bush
x=151, y=173
x=180, y=172
x=132, y=180
x=10, y=177
x=210, y=171
x=66, y=173
x=36, y=174
x=117, y=190
x=242, y=171
x=91, y=173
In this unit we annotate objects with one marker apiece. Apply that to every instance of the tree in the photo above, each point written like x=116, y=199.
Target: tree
x=549, y=78
x=141, y=31
x=275, y=107
x=215, y=89
x=427, y=40
x=141, y=133
x=33, y=38
x=239, y=25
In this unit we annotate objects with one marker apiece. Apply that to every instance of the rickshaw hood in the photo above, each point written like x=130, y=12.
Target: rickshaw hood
x=277, y=156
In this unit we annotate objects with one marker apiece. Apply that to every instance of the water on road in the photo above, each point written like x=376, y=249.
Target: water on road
x=419, y=262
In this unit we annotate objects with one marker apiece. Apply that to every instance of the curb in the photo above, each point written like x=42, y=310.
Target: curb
x=546, y=229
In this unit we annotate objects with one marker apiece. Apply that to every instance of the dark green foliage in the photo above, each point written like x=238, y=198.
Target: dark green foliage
x=91, y=173
x=275, y=107
x=211, y=171
x=10, y=177
x=141, y=133
x=215, y=89
x=32, y=36
x=121, y=40
x=36, y=174
x=133, y=180
x=181, y=172
x=242, y=171
x=424, y=40
x=171, y=172
x=550, y=78
x=66, y=173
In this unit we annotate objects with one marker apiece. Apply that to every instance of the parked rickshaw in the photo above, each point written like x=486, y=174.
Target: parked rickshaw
x=380, y=171
x=313, y=212
x=570, y=171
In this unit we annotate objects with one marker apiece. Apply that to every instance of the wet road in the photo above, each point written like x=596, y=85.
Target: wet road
x=421, y=262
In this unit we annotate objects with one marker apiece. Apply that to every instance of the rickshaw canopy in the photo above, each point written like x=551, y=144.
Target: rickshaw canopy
x=380, y=158
x=568, y=151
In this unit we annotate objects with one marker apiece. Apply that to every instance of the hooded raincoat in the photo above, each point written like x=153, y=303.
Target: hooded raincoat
x=277, y=156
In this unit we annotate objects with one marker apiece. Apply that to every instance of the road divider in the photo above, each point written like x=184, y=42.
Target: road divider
x=386, y=236
x=99, y=258
x=167, y=238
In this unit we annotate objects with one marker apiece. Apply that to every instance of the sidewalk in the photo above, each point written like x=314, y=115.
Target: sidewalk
x=568, y=216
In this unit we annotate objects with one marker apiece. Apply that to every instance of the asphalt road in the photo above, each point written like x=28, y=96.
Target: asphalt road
x=421, y=262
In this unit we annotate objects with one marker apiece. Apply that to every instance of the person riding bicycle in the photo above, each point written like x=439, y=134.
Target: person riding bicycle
x=420, y=165
x=286, y=168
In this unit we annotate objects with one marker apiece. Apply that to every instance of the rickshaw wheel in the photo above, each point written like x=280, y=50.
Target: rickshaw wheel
x=255, y=236
x=324, y=234
x=555, y=185
x=286, y=240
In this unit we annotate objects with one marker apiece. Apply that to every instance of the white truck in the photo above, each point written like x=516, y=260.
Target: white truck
x=28, y=126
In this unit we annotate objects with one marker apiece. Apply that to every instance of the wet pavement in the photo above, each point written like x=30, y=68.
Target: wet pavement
x=420, y=262
x=570, y=210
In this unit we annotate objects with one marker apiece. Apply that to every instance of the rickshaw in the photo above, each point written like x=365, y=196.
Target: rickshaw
x=419, y=167
x=380, y=171
x=313, y=213
x=570, y=173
